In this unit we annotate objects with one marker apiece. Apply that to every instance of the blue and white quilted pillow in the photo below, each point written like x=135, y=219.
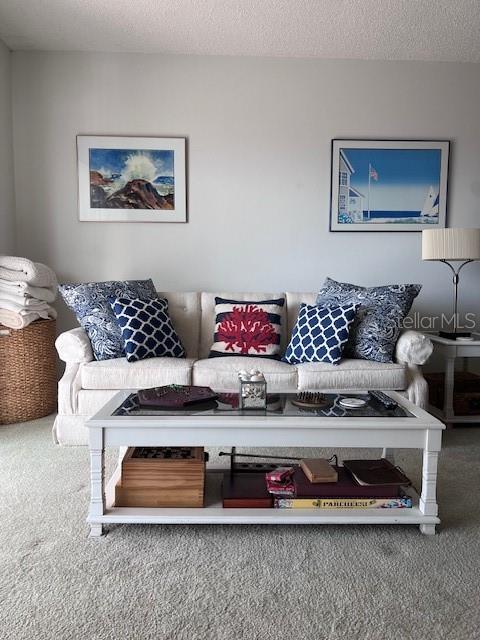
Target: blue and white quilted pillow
x=147, y=330
x=90, y=303
x=320, y=334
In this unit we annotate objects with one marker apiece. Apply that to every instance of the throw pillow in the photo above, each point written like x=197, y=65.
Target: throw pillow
x=381, y=311
x=247, y=328
x=147, y=330
x=89, y=302
x=320, y=334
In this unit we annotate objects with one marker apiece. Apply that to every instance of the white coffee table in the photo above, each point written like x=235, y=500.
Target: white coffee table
x=284, y=427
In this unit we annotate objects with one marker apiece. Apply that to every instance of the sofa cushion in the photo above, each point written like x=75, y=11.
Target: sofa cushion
x=294, y=302
x=351, y=374
x=221, y=374
x=184, y=310
x=120, y=374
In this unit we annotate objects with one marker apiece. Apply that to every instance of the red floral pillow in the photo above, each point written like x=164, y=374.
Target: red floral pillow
x=247, y=328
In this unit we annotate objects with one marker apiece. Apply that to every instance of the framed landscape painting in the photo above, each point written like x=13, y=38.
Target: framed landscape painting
x=127, y=179
x=388, y=185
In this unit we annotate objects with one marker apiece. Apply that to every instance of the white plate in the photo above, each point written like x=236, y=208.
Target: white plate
x=352, y=403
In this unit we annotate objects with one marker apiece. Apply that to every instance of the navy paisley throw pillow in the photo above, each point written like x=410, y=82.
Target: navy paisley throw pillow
x=89, y=302
x=320, y=334
x=381, y=311
x=146, y=329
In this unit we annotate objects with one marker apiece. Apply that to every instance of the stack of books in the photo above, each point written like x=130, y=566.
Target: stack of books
x=245, y=490
x=360, y=484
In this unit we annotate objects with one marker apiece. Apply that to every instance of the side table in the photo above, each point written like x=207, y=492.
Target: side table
x=450, y=350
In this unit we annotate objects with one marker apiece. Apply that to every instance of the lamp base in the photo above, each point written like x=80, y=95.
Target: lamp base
x=451, y=335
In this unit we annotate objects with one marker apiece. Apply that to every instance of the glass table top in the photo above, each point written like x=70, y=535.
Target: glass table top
x=277, y=405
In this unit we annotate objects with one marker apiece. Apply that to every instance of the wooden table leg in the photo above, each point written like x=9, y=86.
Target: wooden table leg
x=97, y=481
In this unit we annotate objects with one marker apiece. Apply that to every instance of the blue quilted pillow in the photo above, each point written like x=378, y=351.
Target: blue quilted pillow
x=320, y=334
x=147, y=330
x=381, y=311
x=89, y=302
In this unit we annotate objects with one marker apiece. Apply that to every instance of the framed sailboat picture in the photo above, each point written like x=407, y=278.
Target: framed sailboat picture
x=388, y=185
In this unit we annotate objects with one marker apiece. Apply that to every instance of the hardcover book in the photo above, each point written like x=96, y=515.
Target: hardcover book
x=245, y=491
x=318, y=470
x=345, y=487
x=404, y=502
x=376, y=472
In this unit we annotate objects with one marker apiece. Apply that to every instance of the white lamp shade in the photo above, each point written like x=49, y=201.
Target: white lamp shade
x=451, y=244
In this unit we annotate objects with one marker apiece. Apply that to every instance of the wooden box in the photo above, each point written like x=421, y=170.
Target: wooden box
x=169, y=477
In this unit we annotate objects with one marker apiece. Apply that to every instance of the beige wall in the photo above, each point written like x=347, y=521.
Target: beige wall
x=7, y=213
x=259, y=133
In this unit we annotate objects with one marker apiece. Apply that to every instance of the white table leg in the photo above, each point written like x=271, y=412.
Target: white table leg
x=121, y=454
x=428, y=499
x=427, y=529
x=96, y=530
x=97, y=480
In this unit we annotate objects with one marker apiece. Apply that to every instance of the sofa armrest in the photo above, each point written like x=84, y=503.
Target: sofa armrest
x=413, y=348
x=74, y=346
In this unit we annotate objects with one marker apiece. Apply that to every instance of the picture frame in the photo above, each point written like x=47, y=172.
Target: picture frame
x=388, y=185
x=131, y=179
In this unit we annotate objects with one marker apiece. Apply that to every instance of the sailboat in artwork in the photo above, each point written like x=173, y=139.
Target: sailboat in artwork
x=430, y=206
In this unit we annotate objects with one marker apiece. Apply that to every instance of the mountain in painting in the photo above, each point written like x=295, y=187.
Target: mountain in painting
x=136, y=194
x=139, y=194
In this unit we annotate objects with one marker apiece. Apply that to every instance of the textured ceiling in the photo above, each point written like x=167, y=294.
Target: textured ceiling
x=362, y=29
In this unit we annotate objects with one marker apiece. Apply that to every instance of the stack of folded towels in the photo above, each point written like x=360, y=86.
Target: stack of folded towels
x=26, y=289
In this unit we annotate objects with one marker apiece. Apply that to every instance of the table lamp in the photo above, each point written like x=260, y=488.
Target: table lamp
x=452, y=245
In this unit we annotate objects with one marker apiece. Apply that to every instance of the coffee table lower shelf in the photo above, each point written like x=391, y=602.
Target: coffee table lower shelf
x=214, y=513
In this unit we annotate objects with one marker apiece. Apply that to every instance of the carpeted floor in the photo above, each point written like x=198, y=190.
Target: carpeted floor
x=228, y=582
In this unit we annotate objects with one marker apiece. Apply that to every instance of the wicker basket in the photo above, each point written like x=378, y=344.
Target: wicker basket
x=28, y=373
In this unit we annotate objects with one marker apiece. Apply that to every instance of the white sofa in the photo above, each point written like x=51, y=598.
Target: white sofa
x=87, y=384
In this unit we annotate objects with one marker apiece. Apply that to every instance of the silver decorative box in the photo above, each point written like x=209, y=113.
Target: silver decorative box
x=253, y=390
